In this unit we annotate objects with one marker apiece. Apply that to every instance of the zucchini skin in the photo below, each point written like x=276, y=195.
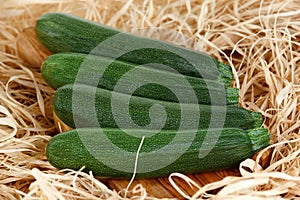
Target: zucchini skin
x=61, y=32
x=197, y=116
x=86, y=147
x=66, y=68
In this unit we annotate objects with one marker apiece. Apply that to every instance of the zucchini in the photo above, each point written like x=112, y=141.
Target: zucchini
x=61, y=32
x=79, y=105
x=65, y=68
x=112, y=152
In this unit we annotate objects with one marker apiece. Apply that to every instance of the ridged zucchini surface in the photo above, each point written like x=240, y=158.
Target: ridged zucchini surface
x=112, y=152
x=61, y=32
x=79, y=105
x=66, y=68
x=136, y=103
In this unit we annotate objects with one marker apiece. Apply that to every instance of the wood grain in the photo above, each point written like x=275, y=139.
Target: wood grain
x=34, y=53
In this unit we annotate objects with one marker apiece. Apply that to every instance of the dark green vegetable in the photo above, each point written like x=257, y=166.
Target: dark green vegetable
x=65, y=68
x=80, y=105
x=112, y=152
x=130, y=87
x=60, y=32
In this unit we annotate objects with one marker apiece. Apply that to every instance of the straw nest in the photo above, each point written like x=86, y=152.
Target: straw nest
x=259, y=39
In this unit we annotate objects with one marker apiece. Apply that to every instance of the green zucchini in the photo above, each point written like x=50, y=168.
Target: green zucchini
x=79, y=105
x=65, y=68
x=112, y=152
x=60, y=32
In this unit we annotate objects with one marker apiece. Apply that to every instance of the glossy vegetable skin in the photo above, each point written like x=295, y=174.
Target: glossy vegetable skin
x=66, y=68
x=159, y=155
x=79, y=105
x=61, y=32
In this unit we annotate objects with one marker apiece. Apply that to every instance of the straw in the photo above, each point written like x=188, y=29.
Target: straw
x=260, y=40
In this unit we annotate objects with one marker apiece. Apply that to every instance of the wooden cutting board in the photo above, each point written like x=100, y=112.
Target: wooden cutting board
x=33, y=53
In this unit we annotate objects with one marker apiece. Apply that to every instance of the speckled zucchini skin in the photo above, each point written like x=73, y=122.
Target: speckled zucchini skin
x=60, y=32
x=67, y=110
x=81, y=147
x=66, y=68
